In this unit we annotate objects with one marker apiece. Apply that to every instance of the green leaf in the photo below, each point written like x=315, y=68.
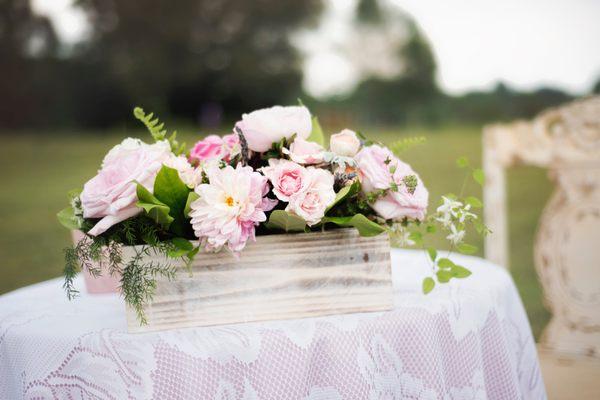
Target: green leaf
x=280, y=219
x=443, y=275
x=462, y=162
x=170, y=190
x=154, y=208
x=181, y=247
x=416, y=237
x=430, y=229
x=474, y=202
x=346, y=191
x=445, y=263
x=365, y=226
x=428, y=285
x=316, y=135
x=432, y=253
x=192, y=197
x=466, y=248
x=479, y=176
x=68, y=219
x=459, y=271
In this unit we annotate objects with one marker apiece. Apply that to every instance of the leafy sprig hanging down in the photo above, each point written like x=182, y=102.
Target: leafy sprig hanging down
x=453, y=217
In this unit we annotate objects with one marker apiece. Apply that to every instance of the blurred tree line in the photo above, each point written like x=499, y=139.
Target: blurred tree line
x=193, y=59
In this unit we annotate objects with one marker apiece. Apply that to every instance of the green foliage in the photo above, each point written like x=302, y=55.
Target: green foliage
x=138, y=281
x=479, y=176
x=365, y=226
x=155, y=209
x=156, y=129
x=192, y=197
x=432, y=253
x=400, y=146
x=171, y=191
x=462, y=162
x=280, y=219
x=316, y=135
x=68, y=219
x=428, y=285
x=473, y=202
x=343, y=194
x=466, y=248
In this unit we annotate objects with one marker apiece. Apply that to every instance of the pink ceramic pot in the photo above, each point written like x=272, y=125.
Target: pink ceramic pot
x=102, y=284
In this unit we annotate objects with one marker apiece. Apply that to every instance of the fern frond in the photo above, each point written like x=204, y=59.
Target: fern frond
x=158, y=131
x=402, y=145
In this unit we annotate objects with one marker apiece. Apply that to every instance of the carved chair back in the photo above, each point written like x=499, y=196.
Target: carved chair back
x=566, y=141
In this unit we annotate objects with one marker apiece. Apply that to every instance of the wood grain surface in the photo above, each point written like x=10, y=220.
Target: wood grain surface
x=277, y=277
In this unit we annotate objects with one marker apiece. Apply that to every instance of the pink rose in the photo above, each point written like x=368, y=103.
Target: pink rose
x=262, y=128
x=208, y=148
x=111, y=194
x=310, y=204
x=286, y=177
x=305, y=152
x=231, y=146
x=230, y=207
x=344, y=143
x=378, y=169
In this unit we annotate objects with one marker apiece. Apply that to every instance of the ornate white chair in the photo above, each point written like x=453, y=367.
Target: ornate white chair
x=566, y=141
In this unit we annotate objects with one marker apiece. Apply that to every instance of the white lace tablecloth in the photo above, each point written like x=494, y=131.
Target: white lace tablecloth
x=469, y=339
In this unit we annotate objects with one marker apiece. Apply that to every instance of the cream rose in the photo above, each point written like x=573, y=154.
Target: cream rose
x=344, y=143
x=262, y=128
x=310, y=204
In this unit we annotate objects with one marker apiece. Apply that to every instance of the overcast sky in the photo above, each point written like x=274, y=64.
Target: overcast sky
x=525, y=43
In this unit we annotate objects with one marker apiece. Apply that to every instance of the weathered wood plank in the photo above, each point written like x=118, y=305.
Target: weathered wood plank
x=277, y=277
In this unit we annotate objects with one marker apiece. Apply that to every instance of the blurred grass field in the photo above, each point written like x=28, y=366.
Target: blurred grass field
x=38, y=171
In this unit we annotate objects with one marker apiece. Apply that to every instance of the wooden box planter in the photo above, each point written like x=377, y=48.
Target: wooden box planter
x=277, y=277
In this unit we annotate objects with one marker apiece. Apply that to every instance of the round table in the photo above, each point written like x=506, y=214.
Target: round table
x=469, y=339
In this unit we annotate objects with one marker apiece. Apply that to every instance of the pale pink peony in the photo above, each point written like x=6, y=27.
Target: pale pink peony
x=287, y=178
x=230, y=207
x=310, y=204
x=262, y=128
x=206, y=149
x=305, y=152
x=111, y=194
x=344, y=143
x=375, y=165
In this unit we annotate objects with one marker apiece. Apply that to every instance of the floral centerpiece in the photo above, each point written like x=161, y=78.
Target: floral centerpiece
x=272, y=174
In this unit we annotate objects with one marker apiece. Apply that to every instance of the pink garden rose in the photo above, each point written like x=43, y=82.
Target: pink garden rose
x=310, y=204
x=287, y=178
x=208, y=148
x=378, y=168
x=230, y=207
x=305, y=152
x=216, y=147
x=262, y=128
x=344, y=143
x=111, y=194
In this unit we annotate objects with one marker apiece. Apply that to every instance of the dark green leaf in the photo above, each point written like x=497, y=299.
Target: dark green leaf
x=154, y=208
x=466, y=248
x=428, y=285
x=365, y=226
x=68, y=219
x=432, y=253
x=479, y=176
x=280, y=219
x=170, y=190
x=462, y=162
x=317, y=132
x=192, y=197
x=344, y=192
x=459, y=271
x=445, y=263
